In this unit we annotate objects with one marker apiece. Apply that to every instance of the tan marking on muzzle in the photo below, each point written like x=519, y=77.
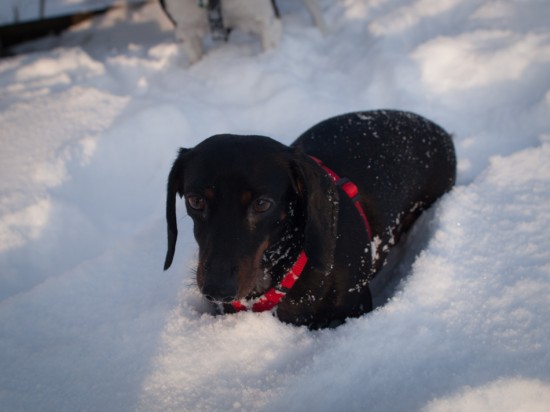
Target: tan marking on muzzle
x=250, y=275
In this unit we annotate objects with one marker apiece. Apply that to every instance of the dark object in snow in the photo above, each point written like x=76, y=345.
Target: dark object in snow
x=215, y=19
x=13, y=34
x=259, y=206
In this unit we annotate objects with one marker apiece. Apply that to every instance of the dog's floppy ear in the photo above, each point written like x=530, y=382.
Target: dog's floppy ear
x=320, y=198
x=175, y=186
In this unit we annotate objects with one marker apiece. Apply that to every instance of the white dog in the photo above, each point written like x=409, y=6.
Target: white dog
x=194, y=19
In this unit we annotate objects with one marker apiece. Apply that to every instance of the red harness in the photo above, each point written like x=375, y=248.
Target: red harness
x=273, y=296
x=349, y=189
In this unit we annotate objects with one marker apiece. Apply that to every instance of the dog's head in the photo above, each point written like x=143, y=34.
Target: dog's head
x=248, y=196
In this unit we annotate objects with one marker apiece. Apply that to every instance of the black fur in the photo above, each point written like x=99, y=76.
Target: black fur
x=401, y=163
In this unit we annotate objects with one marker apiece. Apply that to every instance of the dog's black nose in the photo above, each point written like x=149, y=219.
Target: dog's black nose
x=217, y=293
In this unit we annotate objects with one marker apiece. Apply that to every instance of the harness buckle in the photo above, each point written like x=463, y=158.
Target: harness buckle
x=349, y=188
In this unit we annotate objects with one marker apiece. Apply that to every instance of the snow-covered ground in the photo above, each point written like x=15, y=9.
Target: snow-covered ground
x=88, y=131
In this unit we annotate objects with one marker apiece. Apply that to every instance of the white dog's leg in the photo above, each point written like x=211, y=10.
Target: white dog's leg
x=192, y=44
x=271, y=34
x=191, y=24
x=254, y=16
x=315, y=11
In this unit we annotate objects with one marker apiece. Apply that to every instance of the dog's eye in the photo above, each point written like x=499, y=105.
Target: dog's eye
x=262, y=205
x=196, y=202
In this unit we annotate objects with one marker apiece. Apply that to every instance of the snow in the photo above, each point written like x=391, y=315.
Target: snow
x=90, y=127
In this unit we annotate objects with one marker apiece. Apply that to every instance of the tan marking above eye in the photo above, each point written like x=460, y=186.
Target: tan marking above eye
x=209, y=193
x=246, y=197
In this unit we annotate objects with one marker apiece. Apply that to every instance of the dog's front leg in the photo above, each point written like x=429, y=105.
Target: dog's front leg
x=192, y=44
x=315, y=11
x=271, y=33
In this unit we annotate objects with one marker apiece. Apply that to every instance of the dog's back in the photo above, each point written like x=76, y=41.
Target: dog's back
x=401, y=162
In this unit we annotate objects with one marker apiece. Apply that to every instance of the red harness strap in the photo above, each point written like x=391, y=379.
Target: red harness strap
x=349, y=189
x=273, y=296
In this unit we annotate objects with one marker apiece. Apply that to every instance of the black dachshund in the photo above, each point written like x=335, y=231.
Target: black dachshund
x=301, y=230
